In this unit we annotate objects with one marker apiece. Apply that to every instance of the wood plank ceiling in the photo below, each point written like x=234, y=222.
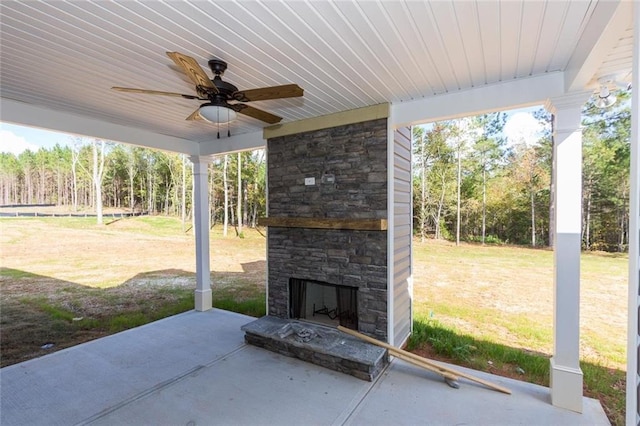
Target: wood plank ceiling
x=65, y=55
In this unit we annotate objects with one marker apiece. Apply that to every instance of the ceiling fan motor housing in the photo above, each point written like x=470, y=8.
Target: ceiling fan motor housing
x=224, y=88
x=217, y=66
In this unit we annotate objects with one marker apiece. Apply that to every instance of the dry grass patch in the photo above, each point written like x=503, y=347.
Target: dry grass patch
x=64, y=281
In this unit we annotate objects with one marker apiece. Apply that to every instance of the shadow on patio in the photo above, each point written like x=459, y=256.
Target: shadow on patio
x=194, y=368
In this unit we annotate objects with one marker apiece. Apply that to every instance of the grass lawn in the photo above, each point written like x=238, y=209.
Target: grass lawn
x=505, y=295
x=491, y=308
x=66, y=280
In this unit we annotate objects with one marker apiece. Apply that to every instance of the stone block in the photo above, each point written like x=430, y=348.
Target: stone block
x=329, y=348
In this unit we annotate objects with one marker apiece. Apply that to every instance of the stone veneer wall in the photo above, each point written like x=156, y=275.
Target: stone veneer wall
x=356, y=155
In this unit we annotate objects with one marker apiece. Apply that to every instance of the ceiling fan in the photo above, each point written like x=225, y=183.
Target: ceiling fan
x=219, y=93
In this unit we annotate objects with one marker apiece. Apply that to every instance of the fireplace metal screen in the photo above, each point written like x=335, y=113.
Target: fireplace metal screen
x=323, y=302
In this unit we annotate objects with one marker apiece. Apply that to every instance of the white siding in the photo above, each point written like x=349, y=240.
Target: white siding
x=402, y=217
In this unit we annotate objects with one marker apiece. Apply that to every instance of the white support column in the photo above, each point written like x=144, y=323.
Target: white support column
x=566, y=375
x=633, y=348
x=203, y=296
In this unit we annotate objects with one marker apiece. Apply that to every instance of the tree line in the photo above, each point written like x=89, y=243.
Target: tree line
x=470, y=182
x=91, y=174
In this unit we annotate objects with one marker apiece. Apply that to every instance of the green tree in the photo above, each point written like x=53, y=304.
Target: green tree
x=10, y=172
x=531, y=175
x=606, y=152
x=436, y=165
x=421, y=160
x=486, y=156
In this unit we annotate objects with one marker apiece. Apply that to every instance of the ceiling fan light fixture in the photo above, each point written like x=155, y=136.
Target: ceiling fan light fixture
x=605, y=98
x=217, y=114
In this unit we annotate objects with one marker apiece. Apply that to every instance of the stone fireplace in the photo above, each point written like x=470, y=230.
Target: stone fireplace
x=355, y=159
x=339, y=231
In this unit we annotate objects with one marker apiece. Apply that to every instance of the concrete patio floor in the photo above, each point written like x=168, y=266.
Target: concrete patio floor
x=195, y=369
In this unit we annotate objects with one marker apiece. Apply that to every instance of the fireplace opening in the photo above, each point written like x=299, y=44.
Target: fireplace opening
x=323, y=303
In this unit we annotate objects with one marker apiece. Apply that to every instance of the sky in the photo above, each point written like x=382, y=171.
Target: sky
x=16, y=139
x=521, y=126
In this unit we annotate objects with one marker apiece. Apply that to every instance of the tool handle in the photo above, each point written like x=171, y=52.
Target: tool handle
x=424, y=360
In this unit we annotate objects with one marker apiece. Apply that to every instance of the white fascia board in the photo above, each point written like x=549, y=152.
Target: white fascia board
x=236, y=143
x=608, y=22
x=519, y=93
x=25, y=114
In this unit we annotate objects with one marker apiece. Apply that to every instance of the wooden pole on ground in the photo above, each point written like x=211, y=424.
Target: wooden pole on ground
x=447, y=376
x=441, y=369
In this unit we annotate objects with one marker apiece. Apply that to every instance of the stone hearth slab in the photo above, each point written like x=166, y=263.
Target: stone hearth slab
x=320, y=345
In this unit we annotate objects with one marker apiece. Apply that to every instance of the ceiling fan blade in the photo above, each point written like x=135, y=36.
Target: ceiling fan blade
x=195, y=115
x=266, y=93
x=193, y=70
x=154, y=92
x=257, y=113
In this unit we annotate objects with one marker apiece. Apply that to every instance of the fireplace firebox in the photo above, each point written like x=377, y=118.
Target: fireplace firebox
x=323, y=303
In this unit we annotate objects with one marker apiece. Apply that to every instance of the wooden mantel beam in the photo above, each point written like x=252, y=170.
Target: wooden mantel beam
x=324, y=223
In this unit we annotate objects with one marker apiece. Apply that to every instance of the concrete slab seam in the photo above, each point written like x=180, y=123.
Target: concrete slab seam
x=357, y=400
x=141, y=395
x=227, y=355
x=158, y=387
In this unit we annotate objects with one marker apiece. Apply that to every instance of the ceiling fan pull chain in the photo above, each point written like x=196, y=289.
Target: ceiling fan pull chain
x=218, y=120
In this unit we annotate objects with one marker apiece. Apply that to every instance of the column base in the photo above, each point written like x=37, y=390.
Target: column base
x=203, y=300
x=566, y=387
